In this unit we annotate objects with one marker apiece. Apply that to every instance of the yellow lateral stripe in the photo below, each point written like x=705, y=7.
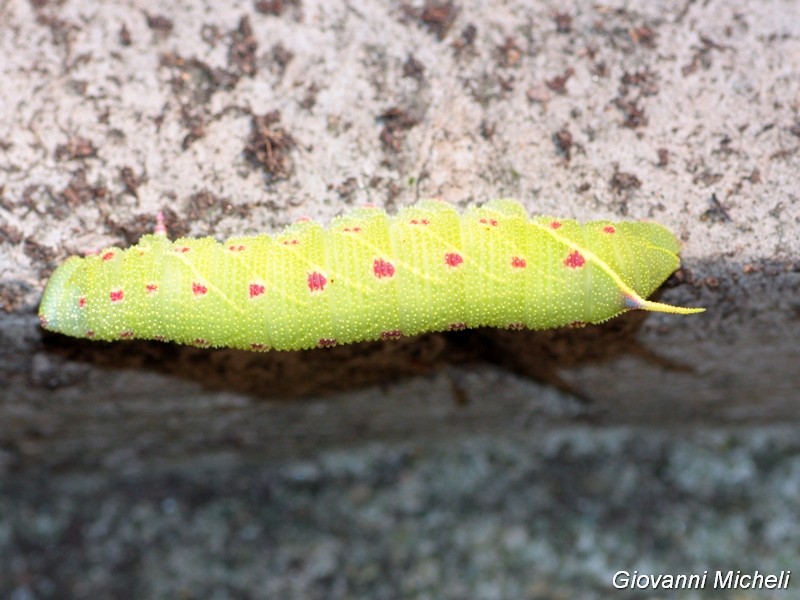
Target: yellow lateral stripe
x=637, y=301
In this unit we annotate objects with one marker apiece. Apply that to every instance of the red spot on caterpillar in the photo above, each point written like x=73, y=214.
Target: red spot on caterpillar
x=382, y=268
x=575, y=260
x=200, y=342
x=258, y=347
x=555, y=224
x=419, y=222
x=256, y=289
x=151, y=288
x=316, y=281
x=117, y=295
x=394, y=334
x=609, y=229
x=108, y=256
x=516, y=326
x=456, y=326
x=82, y=302
x=126, y=335
x=352, y=229
x=326, y=343
x=453, y=259
x=89, y=333
x=517, y=262
x=182, y=249
x=198, y=289
x=290, y=242
x=492, y=222
x=236, y=248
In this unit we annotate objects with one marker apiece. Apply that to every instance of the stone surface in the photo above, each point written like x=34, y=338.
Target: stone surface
x=550, y=515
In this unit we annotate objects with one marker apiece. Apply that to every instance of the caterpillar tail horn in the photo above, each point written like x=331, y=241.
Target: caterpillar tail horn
x=634, y=302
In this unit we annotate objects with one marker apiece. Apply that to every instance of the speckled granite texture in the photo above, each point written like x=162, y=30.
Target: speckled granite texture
x=544, y=516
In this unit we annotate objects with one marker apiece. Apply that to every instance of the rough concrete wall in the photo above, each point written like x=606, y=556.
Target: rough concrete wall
x=682, y=112
x=535, y=517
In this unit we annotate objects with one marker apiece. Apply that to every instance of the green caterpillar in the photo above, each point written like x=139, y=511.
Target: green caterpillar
x=367, y=277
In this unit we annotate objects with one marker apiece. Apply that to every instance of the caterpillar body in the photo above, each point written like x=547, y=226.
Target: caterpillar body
x=367, y=276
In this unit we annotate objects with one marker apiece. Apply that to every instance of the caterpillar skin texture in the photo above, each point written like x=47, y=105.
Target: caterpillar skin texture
x=366, y=277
